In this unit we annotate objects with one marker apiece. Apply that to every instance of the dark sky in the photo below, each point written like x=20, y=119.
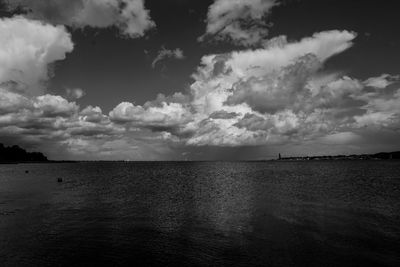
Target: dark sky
x=111, y=67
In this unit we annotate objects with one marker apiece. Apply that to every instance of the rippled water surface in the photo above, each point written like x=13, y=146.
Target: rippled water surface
x=339, y=213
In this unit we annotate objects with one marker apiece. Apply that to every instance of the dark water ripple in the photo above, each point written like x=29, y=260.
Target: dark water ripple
x=337, y=213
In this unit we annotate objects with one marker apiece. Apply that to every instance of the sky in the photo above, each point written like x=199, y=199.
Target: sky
x=199, y=80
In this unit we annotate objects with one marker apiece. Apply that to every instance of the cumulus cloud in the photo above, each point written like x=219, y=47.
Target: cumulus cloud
x=222, y=76
x=165, y=117
x=27, y=47
x=93, y=114
x=13, y=102
x=166, y=53
x=277, y=94
x=55, y=124
x=382, y=110
x=129, y=16
x=278, y=89
x=239, y=21
x=53, y=106
x=28, y=116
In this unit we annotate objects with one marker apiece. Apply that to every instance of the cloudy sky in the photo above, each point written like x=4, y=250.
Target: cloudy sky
x=199, y=80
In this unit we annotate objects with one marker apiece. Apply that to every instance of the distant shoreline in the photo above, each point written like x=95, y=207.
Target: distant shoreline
x=17, y=155
x=376, y=156
x=296, y=159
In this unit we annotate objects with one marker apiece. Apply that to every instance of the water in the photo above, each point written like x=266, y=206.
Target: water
x=339, y=213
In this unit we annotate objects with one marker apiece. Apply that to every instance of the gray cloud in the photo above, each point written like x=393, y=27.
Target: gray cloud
x=166, y=116
x=278, y=89
x=382, y=81
x=54, y=106
x=75, y=93
x=129, y=16
x=93, y=114
x=223, y=115
x=241, y=22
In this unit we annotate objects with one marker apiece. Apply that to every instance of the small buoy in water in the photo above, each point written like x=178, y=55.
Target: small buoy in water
x=26, y=171
x=59, y=180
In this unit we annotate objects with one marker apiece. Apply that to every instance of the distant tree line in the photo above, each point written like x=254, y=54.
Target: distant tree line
x=17, y=154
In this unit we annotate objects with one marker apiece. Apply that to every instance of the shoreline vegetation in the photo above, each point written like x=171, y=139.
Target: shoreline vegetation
x=16, y=154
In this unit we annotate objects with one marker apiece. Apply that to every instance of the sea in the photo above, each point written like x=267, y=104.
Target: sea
x=273, y=213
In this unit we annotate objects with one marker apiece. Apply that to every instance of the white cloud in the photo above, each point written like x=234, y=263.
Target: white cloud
x=56, y=125
x=280, y=94
x=93, y=114
x=53, y=106
x=222, y=133
x=222, y=76
x=278, y=89
x=27, y=47
x=27, y=115
x=126, y=112
x=135, y=19
x=13, y=102
x=239, y=21
x=75, y=93
x=129, y=16
x=165, y=116
x=265, y=96
x=382, y=81
x=166, y=53
x=382, y=110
